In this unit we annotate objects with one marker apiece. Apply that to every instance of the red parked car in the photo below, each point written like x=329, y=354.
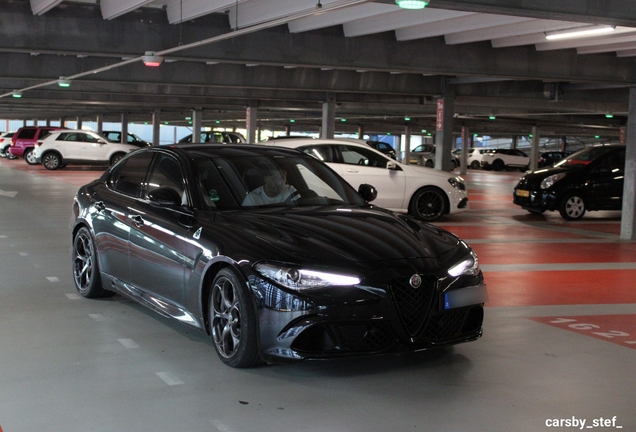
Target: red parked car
x=23, y=141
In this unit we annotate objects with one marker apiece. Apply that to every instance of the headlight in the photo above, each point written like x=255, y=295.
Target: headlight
x=457, y=182
x=468, y=266
x=551, y=180
x=301, y=278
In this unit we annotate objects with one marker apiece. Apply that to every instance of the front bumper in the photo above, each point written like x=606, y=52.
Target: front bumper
x=539, y=200
x=368, y=320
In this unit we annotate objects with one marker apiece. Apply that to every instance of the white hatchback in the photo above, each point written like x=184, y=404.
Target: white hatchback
x=63, y=147
x=425, y=193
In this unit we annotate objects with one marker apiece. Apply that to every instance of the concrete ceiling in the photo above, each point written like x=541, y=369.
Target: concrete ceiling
x=378, y=62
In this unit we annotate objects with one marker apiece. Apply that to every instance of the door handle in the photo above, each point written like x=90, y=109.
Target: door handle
x=353, y=170
x=138, y=220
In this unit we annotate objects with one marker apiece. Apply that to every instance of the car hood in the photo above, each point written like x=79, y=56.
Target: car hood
x=441, y=176
x=333, y=235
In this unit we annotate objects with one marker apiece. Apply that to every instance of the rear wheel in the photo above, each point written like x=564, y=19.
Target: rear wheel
x=233, y=322
x=428, y=204
x=429, y=163
x=116, y=158
x=52, y=161
x=498, y=165
x=475, y=165
x=29, y=157
x=572, y=206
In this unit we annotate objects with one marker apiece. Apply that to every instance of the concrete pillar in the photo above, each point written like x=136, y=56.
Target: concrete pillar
x=534, y=150
x=197, y=123
x=463, y=162
x=628, y=217
x=407, y=144
x=251, y=117
x=514, y=142
x=444, y=135
x=62, y=122
x=100, y=123
x=156, y=127
x=124, y=128
x=328, y=119
x=564, y=143
x=360, y=131
x=79, y=123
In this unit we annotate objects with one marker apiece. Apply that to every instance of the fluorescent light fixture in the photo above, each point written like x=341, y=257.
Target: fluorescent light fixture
x=63, y=82
x=492, y=117
x=16, y=94
x=609, y=115
x=585, y=31
x=152, y=60
x=411, y=4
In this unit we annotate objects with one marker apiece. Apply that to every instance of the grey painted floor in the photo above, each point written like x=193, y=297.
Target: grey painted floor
x=71, y=364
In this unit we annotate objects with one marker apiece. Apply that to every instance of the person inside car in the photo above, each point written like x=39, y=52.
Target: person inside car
x=274, y=190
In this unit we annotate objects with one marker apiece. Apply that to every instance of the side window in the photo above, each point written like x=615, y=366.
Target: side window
x=615, y=162
x=127, y=178
x=71, y=137
x=323, y=153
x=360, y=156
x=84, y=137
x=212, y=190
x=167, y=173
x=62, y=137
x=44, y=132
x=27, y=133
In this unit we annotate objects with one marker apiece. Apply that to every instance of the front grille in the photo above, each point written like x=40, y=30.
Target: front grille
x=413, y=304
x=448, y=325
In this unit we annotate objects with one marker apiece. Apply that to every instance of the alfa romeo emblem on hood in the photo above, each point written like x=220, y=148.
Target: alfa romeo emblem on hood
x=415, y=281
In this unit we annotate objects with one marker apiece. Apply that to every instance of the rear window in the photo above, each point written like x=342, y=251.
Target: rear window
x=27, y=133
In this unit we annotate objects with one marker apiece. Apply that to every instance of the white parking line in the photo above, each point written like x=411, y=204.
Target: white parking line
x=72, y=296
x=24, y=254
x=128, y=343
x=169, y=378
x=52, y=279
x=97, y=317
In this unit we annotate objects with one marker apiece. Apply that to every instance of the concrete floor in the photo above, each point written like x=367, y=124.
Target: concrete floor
x=558, y=346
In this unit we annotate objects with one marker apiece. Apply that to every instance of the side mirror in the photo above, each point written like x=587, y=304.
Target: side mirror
x=391, y=165
x=368, y=192
x=164, y=197
x=101, y=142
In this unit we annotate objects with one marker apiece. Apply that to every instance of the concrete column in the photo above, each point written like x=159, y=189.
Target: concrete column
x=444, y=136
x=287, y=130
x=360, y=131
x=100, y=123
x=463, y=162
x=62, y=122
x=407, y=144
x=197, y=123
x=251, y=117
x=156, y=127
x=124, y=128
x=514, y=142
x=328, y=119
x=628, y=217
x=79, y=123
x=534, y=150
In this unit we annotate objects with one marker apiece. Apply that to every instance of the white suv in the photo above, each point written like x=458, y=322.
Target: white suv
x=499, y=159
x=63, y=147
x=425, y=193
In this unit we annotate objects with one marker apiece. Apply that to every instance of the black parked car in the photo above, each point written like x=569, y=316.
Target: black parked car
x=590, y=179
x=383, y=147
x=549, y=158
x=321, y=274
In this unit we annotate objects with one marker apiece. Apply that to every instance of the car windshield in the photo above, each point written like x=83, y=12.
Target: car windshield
x=260, y=181
x=582, y=157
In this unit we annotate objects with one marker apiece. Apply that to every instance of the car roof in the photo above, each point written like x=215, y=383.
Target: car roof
x=230, y=150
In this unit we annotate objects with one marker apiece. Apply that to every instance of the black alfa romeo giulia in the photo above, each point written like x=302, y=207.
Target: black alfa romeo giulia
x=273, y=254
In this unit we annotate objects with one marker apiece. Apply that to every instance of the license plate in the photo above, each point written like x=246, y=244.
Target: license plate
x=465, y=296
x=523, y=193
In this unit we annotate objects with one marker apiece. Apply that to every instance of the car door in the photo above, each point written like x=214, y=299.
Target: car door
x=111, y=222
x=607, y=180
x=518, y=158
x=69, y=145
x=360, y=165
x=94, y=148
x=158, y=236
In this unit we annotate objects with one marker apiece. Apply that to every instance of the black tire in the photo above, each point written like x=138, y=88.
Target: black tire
x=51, y=161
x=475, y=165
x=116, y=158
x=572, y=206
x=233, y=323
x=429, y=204
x=85, y=267
x=29, y=157
x=429, y=164
x=4, y=152
x=498, y=165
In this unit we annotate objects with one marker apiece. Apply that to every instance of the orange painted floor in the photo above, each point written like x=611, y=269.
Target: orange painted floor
x=539, y=260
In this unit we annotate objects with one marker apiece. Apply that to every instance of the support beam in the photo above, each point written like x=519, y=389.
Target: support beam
x=628, y=218
x=156, y=127
x=444, y=136
x=251, y=117
x=534, y=149
x=100, y=123
x=464, y=156
x=40, y=7
x=124, y=128
x=197, y=123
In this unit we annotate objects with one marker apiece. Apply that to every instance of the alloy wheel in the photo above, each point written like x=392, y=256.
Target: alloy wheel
x=226, y=317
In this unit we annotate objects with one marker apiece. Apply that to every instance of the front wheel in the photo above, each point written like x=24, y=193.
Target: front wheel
x=498, y=165
x=85, y=268
x=428, y=204
x=429, y=164
x=572, y=206
x=475, y=165
x=232, y=319
x=52, y=161
x=116, y=158
x=29, y=157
